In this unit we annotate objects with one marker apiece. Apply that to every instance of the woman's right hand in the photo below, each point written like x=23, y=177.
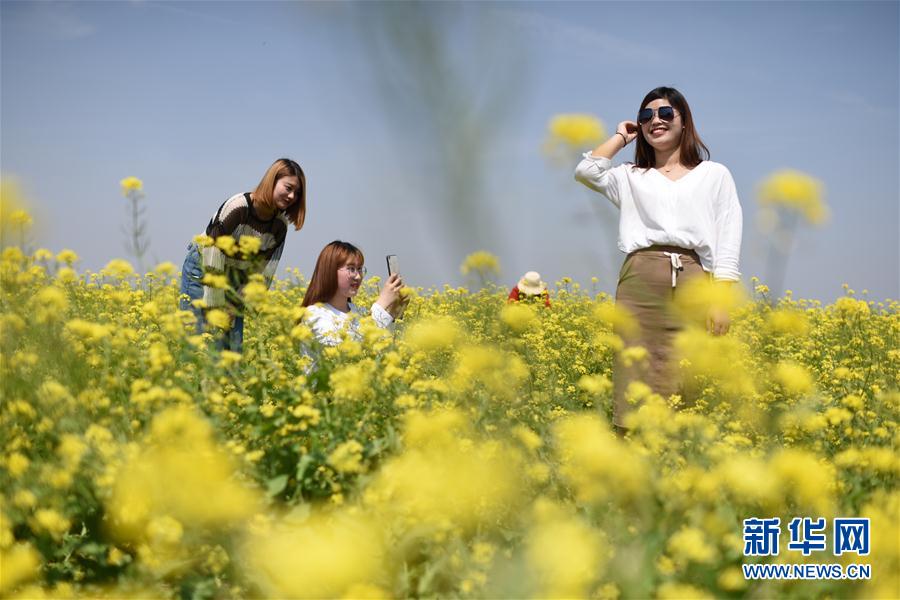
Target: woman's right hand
x=629, y=129
x=390, y=293
x=615, y=143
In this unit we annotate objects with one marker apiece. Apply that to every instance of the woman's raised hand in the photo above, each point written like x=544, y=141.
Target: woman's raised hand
x=390, y=293
x=625, y=133
x=629, y=129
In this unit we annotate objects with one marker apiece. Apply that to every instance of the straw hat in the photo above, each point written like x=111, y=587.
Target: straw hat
x=531, y=284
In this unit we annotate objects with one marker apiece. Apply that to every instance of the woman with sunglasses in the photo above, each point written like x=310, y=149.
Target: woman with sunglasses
x=679, y=218
x=330, y=312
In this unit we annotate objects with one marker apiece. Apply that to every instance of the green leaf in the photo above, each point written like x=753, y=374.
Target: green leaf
x=302, y=465
x=276, y=485
x=92, y=549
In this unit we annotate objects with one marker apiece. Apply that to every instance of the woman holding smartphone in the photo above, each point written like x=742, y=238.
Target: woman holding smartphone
x=335, y=281
x=679, y=218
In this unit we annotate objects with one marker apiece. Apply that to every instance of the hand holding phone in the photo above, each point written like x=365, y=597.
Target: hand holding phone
x=398, y=305
x=392, y=264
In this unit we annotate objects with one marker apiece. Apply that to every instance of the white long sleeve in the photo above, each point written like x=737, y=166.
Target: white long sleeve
x=331, y=325
x=700, y=211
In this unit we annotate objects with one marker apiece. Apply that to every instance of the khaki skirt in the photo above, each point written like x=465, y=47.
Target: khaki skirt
x=649, y=282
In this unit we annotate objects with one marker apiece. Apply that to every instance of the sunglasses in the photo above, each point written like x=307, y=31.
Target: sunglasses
x=666, y=113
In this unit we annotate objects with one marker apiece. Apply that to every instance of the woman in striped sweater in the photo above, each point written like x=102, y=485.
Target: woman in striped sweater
x=262, y=218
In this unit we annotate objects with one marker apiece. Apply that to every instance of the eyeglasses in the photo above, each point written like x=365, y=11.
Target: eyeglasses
x=666, y=113
x=353, y=271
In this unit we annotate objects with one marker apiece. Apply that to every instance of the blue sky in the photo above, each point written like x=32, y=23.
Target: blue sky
x=198, y=98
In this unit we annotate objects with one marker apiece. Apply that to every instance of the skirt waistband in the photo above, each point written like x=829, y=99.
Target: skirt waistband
x=672, y=254
x=662, y=251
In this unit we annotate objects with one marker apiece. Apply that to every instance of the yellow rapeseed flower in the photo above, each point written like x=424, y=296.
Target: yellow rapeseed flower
x=617, y=317
x=448, y=481
x=66, y=275
x=20, y=563
x=131, y=184
x=596, y=463
x=71, y=449
x=203, y=240
x=20, y=218
x=13, y=205
x=596, y=385
x=804, y=476
x=529, y=439
x=175, y=464
x=690, y=544
x=24, y=499
x=748, y=480
x=118, y=268
x=576, y=130
x=17, y=463
x=219, y=282
x=352, y=383
x=732, y=579
x=254, y=292
x=634, y=354
x=717, y=357
x=882, y=511
x=795, y=379
x=324, y=556
x=482, y=263
x=499, y=372
x=51, y=522
x=50, y=304
x=164, y=531
x=347, y=457
x=438, y=427
x=87, y=331
x=226, y=244
x=795, y=191
x=433, y=334
x=518, y=317
x=785, y=321
x=218, y=318
x=165, y=268
x=700, y=295
x=249, y=245
x=850, y=307
x=42, y=255
x=565, y=554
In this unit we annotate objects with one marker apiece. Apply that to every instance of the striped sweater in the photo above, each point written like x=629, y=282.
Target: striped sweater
x=236, y=217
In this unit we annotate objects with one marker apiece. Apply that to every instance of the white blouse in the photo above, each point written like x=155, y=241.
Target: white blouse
x=700, y=211
x=330, y=325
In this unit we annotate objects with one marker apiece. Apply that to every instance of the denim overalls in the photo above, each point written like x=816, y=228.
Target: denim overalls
x=192, y=289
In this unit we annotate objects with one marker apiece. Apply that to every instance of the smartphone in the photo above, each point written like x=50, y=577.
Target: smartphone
x=392, y=264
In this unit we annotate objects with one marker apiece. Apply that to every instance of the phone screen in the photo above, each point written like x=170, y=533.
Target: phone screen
x=392, y=264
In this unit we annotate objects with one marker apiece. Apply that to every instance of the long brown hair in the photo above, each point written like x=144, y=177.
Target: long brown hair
x=296, y=212
x=693, y=150
x=323, y=284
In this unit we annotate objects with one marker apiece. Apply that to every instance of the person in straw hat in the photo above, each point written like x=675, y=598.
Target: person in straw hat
x=530, y=287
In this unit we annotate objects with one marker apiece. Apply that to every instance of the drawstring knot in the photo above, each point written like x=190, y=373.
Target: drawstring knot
x=675, y=261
